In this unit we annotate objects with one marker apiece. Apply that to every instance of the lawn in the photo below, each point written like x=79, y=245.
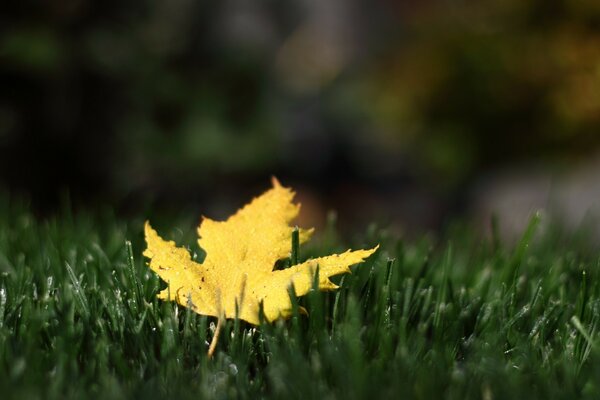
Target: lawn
x=459, y=314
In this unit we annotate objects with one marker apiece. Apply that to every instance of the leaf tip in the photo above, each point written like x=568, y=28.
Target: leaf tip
x=149, y=232
x=275, y=182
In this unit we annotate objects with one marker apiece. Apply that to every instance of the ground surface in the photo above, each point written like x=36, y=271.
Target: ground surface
x=460, y=316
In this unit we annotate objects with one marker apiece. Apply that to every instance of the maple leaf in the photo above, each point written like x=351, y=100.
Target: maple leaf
x=237, y=274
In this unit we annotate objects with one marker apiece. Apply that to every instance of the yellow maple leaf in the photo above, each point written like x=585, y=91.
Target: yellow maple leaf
x=237, y=274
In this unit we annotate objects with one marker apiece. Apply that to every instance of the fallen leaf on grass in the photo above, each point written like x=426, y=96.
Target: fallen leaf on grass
x=237, y=274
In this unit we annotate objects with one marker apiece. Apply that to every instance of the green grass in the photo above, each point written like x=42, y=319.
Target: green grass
x=460, y=316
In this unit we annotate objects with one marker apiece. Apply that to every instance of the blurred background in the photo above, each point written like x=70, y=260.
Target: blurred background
x=407, y=113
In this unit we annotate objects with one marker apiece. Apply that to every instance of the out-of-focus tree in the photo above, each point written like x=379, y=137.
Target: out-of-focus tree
x=465, y=86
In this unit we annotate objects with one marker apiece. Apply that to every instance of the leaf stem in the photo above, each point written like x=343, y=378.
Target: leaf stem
x=215, y=338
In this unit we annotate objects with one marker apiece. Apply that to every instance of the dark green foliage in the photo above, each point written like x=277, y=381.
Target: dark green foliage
x=460, y=317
